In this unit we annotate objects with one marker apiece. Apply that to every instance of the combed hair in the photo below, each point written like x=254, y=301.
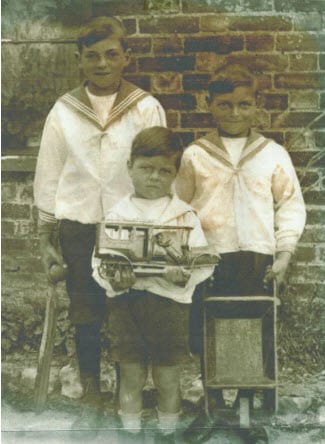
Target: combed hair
x=99, y=29
x=230, y=76
x=157, y=141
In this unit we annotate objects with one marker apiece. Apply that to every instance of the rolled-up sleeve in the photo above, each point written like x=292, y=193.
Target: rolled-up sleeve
x=290, y=211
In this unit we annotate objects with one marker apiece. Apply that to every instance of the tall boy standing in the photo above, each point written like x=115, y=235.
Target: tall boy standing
x=81, y=172
x=245, y=190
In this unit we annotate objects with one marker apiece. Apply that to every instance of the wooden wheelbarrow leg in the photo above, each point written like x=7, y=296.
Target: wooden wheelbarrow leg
x=46, y=350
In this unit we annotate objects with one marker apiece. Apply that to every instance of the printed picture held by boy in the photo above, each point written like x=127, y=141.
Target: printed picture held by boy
x=148, y=319
x=81, y=172
x=246, y=194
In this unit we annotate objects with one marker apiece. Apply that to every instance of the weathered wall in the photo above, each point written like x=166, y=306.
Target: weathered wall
x=176, y=45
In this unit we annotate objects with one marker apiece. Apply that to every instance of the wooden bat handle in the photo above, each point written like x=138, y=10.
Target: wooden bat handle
x=46, y=351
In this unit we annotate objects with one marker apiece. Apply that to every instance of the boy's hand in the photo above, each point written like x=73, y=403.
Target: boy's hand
x=178, y=276
x=123, y=279
x=50, y=256
x=278, y=270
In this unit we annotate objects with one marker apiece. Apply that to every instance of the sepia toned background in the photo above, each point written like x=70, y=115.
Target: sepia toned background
x=176, y=44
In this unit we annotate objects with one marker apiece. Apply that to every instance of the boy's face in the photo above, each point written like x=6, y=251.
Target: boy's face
x=234, y=112
x=102, y=64
x=152, y=177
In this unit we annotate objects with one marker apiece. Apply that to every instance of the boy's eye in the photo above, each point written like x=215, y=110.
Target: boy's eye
x=245, y=105
x=165, y=171
x=224, y=105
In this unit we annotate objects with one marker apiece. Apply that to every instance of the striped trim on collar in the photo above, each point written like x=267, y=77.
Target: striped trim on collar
x=127, y=96
x=214, y=146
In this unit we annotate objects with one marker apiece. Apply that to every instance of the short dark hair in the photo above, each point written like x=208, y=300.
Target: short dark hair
x=100, y=28
x=157, y=141
x=230, y=76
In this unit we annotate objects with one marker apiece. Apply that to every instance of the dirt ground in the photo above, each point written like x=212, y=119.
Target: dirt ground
x=300, y=419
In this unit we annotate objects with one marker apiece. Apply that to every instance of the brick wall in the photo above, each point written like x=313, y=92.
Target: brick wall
x=176, y=44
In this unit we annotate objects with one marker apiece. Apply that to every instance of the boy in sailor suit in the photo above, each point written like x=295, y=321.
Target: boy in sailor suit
x=81, y=172
x=246, y=192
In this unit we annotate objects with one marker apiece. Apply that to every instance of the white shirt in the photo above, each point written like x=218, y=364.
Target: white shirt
x=102, y=105
x=81, y=170
x=234, y=147
x=176, y=212
x=255, y=206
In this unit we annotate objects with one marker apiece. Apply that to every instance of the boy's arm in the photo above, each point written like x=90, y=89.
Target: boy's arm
x=48, y=169
x=290, y=217
x=185, y=179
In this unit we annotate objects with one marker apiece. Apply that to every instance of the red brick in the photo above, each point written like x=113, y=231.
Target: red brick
x=322, y=101
x=307, y=179
x=315, y=217
x=308, y=22
x=7, y=228
x=258, y=5
x=26, y=194
x=187, y=137
x=322, y=60
x=143, y=82
x=140, y=45
x=305, y=254
x=15, y=245
x=261, y=63
x=130, y=26
x=299, y=6
x=160, y=6
x=118, y=7
x=195, y=82
x=298, y=80
x=215, y=23
x=219, y=44
x=259, y=42
x=25, y=228
x=9, y=192
x=208, y=61
x=303, y=100
x=182, y=63
x=274, y=101
x=172, y=119
x=303, y=62
x=167, y=82
x=275, y=135
x=300, y=42
x=260, y=23
x=211, y=5
x=320, y=139
x=196, y=120
x=164, y=25
x=295, y=140
x=15, y=211
x=167, y=45
x=177, y=101
x=311, y=273
x=315, y=198
x=295, y=119
x=301, y=158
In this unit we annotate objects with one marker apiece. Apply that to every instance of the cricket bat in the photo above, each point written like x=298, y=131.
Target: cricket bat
x=47, y=342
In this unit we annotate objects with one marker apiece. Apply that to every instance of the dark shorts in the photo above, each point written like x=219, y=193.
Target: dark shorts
x=144, y=326
x=238, y=274
x=88, y=300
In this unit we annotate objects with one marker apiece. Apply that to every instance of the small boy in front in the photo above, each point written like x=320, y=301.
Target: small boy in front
x=245, y=191
x=149, y=315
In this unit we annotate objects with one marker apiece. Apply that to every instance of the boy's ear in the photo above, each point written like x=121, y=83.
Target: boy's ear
x=208, y=100
x=127, y=55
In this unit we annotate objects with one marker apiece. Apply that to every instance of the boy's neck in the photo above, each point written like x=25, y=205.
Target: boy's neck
x=232, y=136
x=97, y=91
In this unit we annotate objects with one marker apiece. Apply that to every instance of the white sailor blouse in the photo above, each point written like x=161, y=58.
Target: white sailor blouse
x=82, y=165
x=254, y=206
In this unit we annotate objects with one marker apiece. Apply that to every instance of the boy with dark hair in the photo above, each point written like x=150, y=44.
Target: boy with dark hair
x=149, y=315
x=81, y=173
x=246, y=192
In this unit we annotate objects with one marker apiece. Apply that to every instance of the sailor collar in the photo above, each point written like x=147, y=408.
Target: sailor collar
x=128, y=95
x=212, y=144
